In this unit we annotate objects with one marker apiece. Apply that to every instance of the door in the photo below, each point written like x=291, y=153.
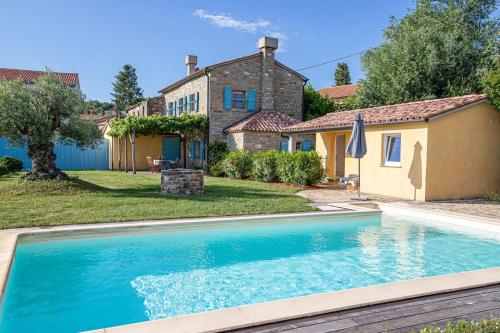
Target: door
x=339, y=160
x=171, y=148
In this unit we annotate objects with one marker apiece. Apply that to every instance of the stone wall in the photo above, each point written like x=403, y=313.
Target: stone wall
x=261, y=141
x=288, y=93
x=198, y=84
x=148, y=107
x=182, y=182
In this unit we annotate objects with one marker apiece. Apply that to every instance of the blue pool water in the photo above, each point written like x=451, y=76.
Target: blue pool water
x=77, y=283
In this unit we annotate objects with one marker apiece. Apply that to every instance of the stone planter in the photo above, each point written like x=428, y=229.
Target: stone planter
x=182, y=182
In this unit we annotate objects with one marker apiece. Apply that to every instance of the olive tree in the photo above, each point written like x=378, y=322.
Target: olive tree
x=41, y=114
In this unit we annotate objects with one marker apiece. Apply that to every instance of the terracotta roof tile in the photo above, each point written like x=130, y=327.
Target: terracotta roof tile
x=339, y=92
x=389, y=114
x=30, y=76
x=263, y=121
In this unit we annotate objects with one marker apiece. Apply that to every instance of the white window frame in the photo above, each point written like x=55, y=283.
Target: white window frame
x=180, y=105
x=387, y=142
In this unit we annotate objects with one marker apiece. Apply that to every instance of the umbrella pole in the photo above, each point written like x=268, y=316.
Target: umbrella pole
x=359, y=178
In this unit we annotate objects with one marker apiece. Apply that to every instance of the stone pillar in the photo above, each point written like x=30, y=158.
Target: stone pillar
x=267, y=46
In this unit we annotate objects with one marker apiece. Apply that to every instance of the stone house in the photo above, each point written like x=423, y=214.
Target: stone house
x=247, y=100
x=148, y=107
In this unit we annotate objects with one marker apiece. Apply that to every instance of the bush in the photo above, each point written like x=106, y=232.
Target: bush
x=284, y=167
x=264, y=166
x=217, y=170
x=12, y=164
x=237, y=164
x=302, y=168
x=216, y=151
x=3, y=170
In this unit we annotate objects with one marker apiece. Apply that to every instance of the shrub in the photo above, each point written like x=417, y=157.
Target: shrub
x=237, y=164
x=493, y=196
x=302, y=168
x=216, y=151
x=284, y=167
x=216, y=170
x=12, y=164
x=308, y=169
x=3, y=170
x=264, y=166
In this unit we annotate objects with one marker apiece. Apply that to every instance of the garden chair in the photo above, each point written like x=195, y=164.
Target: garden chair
x=152, y=167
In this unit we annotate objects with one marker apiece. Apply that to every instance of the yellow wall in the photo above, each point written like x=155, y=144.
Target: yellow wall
x=145, y=146
x=464, y=158
x=406, y=181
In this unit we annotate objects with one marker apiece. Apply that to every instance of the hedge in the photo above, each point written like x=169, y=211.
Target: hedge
x=302, y=168
x=12, y=164
x=264, y=167
x=237, y=164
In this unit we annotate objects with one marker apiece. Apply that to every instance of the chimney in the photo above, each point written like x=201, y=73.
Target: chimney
x=191, y=61
x=267, y=46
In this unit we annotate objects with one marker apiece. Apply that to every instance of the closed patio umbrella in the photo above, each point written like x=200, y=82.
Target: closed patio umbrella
x=357, y=146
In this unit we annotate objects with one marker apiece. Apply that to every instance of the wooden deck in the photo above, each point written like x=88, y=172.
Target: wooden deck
x=402, y=316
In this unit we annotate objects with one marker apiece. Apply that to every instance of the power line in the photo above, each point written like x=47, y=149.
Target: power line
x=334, y=60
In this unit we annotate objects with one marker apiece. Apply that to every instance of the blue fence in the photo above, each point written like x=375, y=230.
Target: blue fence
x=69, y=157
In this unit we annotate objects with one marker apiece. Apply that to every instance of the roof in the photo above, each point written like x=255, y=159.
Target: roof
x=263, y=121
x=389, y=114
x=339, y=92
x=30, y=76
x=200, y=71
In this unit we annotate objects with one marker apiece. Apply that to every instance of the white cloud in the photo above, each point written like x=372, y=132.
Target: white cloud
x=223, y=20
x=227, y=21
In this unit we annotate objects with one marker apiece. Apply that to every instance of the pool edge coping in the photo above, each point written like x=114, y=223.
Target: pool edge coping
x=250, y=315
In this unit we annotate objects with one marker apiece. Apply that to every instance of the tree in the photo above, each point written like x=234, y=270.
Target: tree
x=40, y=116
x=126, y=88
x=443, y=48
x=342, y=75
x=93, y=106
x=316, y=105
x=491, y=83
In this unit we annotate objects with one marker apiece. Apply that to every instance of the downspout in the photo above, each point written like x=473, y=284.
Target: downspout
x=303, y=99
x=207, y=135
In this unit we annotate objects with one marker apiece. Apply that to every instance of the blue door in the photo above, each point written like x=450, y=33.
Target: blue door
x=171, y=149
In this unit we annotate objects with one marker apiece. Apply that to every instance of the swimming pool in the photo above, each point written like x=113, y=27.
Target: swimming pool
x=80, y=282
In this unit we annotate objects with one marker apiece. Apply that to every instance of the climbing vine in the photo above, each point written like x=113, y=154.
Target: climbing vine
x=191, y=126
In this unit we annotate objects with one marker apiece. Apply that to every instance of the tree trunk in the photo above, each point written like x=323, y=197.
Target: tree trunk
x=43, y=164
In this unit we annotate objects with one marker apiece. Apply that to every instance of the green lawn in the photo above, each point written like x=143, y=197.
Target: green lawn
x=104, y=196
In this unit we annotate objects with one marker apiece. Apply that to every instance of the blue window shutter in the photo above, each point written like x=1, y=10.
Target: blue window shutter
x=228, y=96
x=202, y=148
x=284, y=145
x=193, y=149
x=251, y=97
x=196, y=99
x=307, y=145
x=175, y=108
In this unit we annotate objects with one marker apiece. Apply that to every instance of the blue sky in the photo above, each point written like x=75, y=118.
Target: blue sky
x=95, y=38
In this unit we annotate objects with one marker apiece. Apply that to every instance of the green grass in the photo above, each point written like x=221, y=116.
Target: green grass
x=105, y=196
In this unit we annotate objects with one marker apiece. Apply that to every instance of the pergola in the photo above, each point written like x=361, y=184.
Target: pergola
x=188, y=126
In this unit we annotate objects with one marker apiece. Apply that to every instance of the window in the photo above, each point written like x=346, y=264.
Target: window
x=191, y=102
x=238, y=99
x=392, y=150
x=181, y=105
x=299, y=145
x=170, y=109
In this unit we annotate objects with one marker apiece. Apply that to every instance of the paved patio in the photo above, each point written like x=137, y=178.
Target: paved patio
x=477, y=207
